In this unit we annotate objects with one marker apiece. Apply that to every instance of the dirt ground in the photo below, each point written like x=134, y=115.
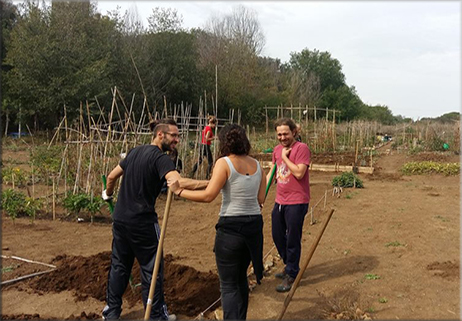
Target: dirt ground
x=390, y=251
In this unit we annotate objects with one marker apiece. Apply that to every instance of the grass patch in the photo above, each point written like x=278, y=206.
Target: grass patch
x=372, y=277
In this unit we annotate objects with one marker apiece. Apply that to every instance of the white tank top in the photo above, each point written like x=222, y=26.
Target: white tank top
x=240, y=193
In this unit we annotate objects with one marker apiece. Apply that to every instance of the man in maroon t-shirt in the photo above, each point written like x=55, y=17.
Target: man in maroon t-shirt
x=292, y=159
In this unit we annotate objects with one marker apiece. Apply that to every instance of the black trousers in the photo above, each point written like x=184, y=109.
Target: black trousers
x=287, y=228
x=207, y=152
x=130, y=242
x=233, y=246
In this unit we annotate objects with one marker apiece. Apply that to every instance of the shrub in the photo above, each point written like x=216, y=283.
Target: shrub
x=19, y=176
x=16, y=204
x=429, y=167
x=347, y=179
x=81, y=201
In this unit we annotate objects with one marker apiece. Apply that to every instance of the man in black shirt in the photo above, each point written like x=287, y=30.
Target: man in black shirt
x=135, y=228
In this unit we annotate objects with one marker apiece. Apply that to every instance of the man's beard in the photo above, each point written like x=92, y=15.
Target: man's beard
x=166, y=147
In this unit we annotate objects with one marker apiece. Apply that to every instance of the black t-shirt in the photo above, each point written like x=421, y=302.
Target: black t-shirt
x=144, y=168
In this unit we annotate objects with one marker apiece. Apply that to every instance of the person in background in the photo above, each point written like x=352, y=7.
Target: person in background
x=205, y=150
x=292, y=159
x=298, y=136
x=239, y=231
x=135, y=227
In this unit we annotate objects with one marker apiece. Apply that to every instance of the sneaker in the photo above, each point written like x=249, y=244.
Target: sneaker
x=172, y=317
x=286, y=284
x=281, y=275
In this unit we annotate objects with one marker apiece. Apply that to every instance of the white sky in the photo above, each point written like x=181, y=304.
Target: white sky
x=402, y=54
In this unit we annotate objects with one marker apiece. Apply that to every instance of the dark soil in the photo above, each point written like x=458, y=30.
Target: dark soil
x=187, y=291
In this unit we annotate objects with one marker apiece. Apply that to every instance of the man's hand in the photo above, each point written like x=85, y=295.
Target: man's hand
x=106, y=197
x=286, y=152
x=174, y=185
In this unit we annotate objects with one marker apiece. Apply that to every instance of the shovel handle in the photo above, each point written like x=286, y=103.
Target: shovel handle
x=270, y=180
x=160, y=246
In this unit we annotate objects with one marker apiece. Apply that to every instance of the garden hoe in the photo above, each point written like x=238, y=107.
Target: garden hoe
x=158, y=255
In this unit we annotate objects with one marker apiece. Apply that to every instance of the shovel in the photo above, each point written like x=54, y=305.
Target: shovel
x=158, y=255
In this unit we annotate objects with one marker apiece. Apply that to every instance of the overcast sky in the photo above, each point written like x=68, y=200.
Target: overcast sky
x=401, y=54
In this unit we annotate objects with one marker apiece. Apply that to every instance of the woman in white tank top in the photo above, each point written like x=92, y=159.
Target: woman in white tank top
x=239, y=237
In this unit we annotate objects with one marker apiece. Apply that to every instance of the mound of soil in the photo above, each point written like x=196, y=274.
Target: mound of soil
x=446, y=269
x=431, y=156
x=187, y=291
x=36, y=316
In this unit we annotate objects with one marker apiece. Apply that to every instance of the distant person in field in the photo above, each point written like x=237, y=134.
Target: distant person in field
x=298, y=136
x=292, y=159
x=205, y=150
x=135, y=228
x=239, y=231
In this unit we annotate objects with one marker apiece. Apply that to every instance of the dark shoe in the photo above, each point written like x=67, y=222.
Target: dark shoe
x=281, y=275
x=286, y=284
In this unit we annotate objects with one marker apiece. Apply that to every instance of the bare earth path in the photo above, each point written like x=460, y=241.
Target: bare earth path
x=390, y=251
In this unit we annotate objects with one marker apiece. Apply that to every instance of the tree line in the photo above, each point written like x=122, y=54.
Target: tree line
x=65, y=53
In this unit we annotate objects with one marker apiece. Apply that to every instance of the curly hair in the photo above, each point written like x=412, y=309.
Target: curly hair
x=233, y=140
x=212, y=119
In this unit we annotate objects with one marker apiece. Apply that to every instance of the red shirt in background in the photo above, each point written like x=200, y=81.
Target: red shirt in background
x=206, y=130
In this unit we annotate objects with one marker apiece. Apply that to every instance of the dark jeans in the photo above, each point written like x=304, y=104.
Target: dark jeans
x=130, y=242
x=233, y=257
x=207, y=152
x=287, y=227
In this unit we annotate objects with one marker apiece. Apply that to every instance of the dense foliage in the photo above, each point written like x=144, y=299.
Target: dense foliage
x=58, y=56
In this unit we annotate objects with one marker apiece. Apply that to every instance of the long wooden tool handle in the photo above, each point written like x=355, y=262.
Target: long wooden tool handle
x=302, y=270
x=158, y=255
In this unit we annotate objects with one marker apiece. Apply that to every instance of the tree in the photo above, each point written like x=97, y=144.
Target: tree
x=232, y=43
x=60, y=54
x=165, y=20
x=343, y=99
x=320, y=64
x=379, y=113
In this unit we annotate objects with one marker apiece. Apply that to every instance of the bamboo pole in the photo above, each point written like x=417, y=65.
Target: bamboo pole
x=54, y=198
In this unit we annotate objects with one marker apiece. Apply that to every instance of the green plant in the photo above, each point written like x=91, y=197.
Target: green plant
x=15, y=174
x=31, y=207
x=395, y=243
x=81, y=201
x=372, y=277
x=9, y=268
x=429, y=167
x=16, y=204
x=47, y=161
x=347, y=179
x=442, y=218
x=12, y=203
x=383, y=300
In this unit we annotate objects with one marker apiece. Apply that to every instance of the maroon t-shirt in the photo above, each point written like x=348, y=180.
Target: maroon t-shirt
x=289, y=190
